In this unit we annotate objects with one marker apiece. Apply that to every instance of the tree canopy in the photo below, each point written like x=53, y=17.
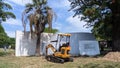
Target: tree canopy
x=4, y=39
x=3, y=36
x=4, y=15
x=4, y=11
x=96, y=13
x=37, y=10
x=52, y=31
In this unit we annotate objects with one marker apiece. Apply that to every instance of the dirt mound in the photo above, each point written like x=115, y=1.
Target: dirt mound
x=113, y=56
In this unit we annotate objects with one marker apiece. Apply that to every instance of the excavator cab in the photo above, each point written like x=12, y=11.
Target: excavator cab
x=62, y=53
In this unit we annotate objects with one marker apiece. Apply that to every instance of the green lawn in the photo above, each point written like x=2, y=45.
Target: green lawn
x=8, y=60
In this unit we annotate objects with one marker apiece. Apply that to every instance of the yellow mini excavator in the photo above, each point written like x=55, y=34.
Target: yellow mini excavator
x=61, y=54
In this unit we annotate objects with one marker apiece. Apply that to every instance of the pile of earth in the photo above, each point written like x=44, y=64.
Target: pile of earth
x=113, y=56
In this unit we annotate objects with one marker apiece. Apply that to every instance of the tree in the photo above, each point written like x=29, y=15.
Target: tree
x=52, y=31
x=116, y=24
x=11, y=42
x=4, y=39
x=4, y=13
x=103, y=15
x=97, y=13
x=102, y=31
x=3, y=36
x=38, y=14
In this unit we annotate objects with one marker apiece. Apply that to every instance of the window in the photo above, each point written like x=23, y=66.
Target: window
x=62, y=51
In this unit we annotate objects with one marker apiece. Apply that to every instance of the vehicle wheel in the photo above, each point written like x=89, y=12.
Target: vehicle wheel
x=48, y=58
x=62, y=61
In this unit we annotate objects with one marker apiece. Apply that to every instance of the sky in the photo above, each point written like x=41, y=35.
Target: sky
x=65, y=22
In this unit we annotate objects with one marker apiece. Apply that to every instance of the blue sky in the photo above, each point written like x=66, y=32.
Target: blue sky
x=64, y=23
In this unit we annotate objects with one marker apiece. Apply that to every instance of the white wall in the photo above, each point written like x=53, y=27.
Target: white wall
x=90, y=48
x=25, y=45
x=75, y=40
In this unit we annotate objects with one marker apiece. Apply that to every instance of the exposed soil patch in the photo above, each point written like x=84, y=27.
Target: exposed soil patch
x=113, y=56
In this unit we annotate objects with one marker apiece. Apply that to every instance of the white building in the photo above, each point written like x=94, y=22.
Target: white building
x=81, y=44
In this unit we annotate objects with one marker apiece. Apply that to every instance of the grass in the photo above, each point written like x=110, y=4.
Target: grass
x=7, y=52
x=5, y=64
x=105, y=64
x=8, y=60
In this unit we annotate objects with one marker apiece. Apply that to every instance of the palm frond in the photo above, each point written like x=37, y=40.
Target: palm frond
x=10, y=15
x=24, y=21
x=27, y=10
x=49, y=18
x=50, y=15
x=34, y=1
x=7, y=15
x=29, y=5
x=5, y=5
x=3, y=13
x=31, y=23
x=44, y=1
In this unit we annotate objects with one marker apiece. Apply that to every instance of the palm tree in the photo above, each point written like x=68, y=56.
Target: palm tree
x=4, y=13
x=38, y=14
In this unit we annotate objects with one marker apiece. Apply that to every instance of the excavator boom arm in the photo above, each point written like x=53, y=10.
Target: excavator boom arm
x=51, y=47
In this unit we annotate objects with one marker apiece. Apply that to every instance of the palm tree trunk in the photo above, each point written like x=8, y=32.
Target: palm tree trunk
x=38, y=44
